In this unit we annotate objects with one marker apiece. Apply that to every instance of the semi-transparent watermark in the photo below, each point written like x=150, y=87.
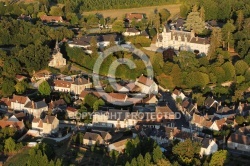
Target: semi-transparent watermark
x=121, y=115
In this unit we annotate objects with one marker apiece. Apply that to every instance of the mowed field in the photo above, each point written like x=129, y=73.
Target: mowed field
x=149, y=11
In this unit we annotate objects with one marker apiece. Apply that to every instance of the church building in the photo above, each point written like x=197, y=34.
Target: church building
x=57, y=59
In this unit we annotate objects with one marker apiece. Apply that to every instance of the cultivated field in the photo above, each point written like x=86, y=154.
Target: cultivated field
x=149, y=11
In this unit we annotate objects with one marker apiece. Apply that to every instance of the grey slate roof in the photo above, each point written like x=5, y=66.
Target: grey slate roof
x=85, y=40
x=36, y=105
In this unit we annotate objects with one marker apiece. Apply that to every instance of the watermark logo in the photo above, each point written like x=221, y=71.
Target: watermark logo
x=119, y=115
x=112, y=70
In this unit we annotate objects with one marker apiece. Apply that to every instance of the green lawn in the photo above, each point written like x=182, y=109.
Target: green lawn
x=19, y=159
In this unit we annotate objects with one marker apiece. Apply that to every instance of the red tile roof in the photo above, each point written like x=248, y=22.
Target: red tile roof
x=19, y=99
x=61, y=83
x=144, y=80
x=51, y=18
x=136, y=16
x=239, y=138
x=18, y=125
x=71, y=109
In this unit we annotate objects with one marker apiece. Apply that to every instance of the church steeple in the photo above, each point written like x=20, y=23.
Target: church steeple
x=57, y=48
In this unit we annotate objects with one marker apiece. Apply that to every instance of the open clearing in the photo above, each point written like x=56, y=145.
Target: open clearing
x=149, y=11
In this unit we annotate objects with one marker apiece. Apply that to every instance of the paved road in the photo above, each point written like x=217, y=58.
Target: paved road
x=154, y=48
x=167, y=99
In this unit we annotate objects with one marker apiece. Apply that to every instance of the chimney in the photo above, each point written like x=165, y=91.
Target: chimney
x=88, y=80
x=195, y=105
x=33, y=104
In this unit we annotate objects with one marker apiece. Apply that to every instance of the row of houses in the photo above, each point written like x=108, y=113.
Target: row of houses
x=215, y=117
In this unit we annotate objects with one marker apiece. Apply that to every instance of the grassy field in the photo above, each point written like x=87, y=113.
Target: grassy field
x=149, y=11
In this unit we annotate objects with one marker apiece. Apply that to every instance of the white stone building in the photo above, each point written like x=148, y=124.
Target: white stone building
x=147, y=85
x=57, y=58
x=182, y=40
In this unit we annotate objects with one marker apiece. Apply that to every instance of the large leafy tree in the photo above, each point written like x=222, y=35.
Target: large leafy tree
x=240, y=67
x=194, y=21
x=219, y=158
x=186, y=151
x=44, y=88
x=34, y=57
x=8, y=87
x=216, y=42
x=227, y=36
x=10, y=145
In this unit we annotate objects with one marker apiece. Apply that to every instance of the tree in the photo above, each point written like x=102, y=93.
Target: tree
x=9, y=145
x=202, y=13
x=118, y=26
x=176, y=75
x=8, y=87
x=133, y=162
x=219, y=158
x=93, y=45
x=187, y=60
x=56, y=11
x=216, y=42
x=44, y=88
x=147, y=159
x=240, y=67
x=240, y=119
x=164, y=15
x=194, y=22
x=34, y=57
x=163, y=162
x=197, y=79
x=229, y=70
x=157, y=154
x=227, y=36
x=140, y=160
x=90, y=99
x=157, y=21
x=186, y=150
x=184, y=10
x=98, y=103
x=20, y=87
x=240, y=20
x=211, y=9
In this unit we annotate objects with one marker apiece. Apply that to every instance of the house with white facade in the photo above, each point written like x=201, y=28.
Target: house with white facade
x=103, y=40
x=131, y=32
x=178, y=94
x=118, y=146
x=91, y=138
x=71, y=112
x=48, y=125
x=239, y=142
x=147, y=85
x=35, y=108
x=62, y=85
x=208, y=146
x=182, y=40
x=18, y=102
x=79, y=84
x=114, y=118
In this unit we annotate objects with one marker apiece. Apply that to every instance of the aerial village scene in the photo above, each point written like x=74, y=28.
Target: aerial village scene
x=124, y=82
